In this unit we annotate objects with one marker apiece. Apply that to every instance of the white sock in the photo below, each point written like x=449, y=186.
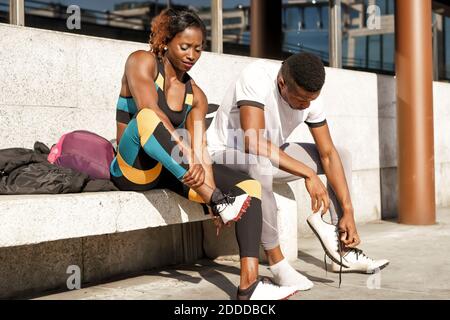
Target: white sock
x=285, y=275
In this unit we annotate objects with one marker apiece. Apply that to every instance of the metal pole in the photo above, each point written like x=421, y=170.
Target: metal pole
x=256, y=49
x=216, y=26
x=414, y=70
x=335, y=34
x=17, y=12
x=265, y=28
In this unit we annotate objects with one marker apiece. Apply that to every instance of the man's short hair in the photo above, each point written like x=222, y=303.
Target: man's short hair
x=305, y=70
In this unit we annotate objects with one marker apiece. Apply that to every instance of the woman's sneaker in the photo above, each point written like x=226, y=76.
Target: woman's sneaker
x=228, y=207
x=358, y=262
x=265, y=289
x=328, y=236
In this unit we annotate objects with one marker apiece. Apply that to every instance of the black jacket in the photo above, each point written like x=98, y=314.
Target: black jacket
x=27, y=171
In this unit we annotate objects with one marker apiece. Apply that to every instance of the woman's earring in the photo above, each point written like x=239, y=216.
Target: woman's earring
x=165, y=48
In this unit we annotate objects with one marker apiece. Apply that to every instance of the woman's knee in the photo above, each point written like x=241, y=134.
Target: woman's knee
x=147, y=121
x=251, y=187
x=147, y=113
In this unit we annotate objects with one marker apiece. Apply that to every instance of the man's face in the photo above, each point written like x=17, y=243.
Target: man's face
x=297, y=97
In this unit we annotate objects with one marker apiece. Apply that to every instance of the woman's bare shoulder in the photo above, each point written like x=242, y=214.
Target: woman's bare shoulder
x=141, y=59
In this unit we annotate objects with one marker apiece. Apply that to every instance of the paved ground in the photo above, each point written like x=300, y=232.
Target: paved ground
x=419, y=269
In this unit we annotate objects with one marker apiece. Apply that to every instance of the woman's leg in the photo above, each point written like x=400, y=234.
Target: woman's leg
x=248, y=228
x=146, y=146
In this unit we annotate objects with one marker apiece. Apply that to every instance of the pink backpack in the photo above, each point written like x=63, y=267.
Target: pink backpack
x=85, y=152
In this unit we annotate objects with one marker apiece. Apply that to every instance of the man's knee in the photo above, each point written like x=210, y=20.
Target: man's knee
x=261, y=170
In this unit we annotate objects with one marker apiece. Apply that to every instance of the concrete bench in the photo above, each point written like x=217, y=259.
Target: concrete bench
x=33, y=219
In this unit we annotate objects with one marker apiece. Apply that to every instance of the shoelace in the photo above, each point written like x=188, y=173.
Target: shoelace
x=340, y=260
x=223, y=202
x=358, y=253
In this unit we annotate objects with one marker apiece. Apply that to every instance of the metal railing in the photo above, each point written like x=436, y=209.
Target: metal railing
x=58, y=10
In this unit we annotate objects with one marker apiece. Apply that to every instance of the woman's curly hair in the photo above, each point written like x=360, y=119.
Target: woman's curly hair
x=168, y=23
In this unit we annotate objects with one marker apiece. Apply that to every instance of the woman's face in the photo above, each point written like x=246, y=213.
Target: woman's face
x=184, y=50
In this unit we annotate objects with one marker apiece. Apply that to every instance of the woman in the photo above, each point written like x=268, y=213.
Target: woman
x=158, y=97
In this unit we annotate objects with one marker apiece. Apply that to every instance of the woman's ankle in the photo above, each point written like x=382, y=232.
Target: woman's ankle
x=249, y=272
x=246, y=283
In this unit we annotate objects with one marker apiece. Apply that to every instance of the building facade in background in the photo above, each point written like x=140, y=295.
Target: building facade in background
x=365, y=45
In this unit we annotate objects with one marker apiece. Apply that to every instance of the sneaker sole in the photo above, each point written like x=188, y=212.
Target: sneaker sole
x=285, y=298
x=362, y=272
x=294, y=293
x=302, y=289
x=324, y=247
x=244, y=208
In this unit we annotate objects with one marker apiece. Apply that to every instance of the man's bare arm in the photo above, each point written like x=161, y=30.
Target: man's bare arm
x=253, y=123
x=332, y=165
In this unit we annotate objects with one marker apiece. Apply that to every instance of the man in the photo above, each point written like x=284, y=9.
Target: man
x=249, y=131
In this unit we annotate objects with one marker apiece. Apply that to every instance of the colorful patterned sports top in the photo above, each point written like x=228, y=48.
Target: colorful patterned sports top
x=127, y=109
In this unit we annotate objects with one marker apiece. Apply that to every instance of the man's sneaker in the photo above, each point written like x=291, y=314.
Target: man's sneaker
x=265, y=289
x=328, y=236
x=358, y=262
x=228, y=207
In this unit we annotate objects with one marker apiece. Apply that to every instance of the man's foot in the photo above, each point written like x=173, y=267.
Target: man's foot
x=265, y=289
x=328, y=236
x=228, y=207
x=358, y=262
x=285, y=275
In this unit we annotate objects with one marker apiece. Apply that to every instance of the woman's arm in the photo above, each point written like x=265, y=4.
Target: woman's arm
x=140, y=71
x=195, y=124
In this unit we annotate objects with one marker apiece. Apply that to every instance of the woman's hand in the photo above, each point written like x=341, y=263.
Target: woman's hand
x=195, y=176
x=218, y=223
x=318, y=193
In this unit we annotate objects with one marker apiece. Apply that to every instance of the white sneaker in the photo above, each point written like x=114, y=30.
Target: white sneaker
x=358, y=262
x=328, y=236
x=265, y=289
x=231, y=208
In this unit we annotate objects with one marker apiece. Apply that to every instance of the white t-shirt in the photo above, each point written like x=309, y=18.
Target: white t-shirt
x=257, y=86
